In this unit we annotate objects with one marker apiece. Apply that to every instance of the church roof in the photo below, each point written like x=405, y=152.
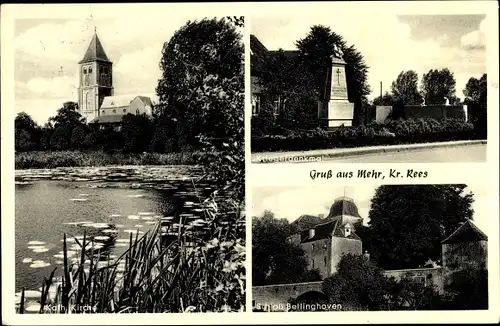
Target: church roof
x=112, y=118
x=326, y=230
x=467, y=232
x=95, y=52
x=117, y=101
x=343, y=206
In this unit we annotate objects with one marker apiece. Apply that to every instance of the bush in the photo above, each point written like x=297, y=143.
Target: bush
x=393, y=132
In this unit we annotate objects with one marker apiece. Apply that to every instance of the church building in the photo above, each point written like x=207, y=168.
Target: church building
x=96, y=99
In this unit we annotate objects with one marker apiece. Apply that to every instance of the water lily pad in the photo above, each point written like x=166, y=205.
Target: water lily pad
x=145, y=213
x=133, y=217
x=39, y=265
x=138, y=226
x=115, y=215
x=40, y=249
x=101, y=237
x=110, y=231
x=36, y=243
x=78, y=199
x=27, y=260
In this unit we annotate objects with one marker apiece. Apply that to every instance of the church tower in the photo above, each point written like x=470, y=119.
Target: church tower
x=95, y=79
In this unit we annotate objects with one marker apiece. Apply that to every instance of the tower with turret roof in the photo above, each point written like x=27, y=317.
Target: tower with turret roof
x=95, y=79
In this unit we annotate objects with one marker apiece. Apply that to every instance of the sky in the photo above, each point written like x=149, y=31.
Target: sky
x=390, y=43
x=292, y=202
x=47, y=52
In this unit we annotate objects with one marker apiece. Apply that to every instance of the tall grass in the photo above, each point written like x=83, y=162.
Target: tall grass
x=196, y=267
x=49, y=159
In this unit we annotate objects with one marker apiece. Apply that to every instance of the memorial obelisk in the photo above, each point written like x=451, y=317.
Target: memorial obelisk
x=335, y=109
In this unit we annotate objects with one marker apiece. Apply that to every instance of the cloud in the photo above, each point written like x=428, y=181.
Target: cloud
x=475, y=39
x=57, y=87
x=138, y=71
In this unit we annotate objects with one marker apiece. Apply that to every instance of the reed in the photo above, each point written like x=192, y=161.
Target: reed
x=53, y=159
x=196, y=267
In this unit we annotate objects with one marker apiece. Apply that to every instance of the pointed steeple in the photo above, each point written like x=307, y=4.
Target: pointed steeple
x=95, y=51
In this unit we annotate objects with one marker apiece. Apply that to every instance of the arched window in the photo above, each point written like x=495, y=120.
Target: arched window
x=124, y=110
x=90, y=70
x=102, y=111
x=137, y=111
x=114, y=111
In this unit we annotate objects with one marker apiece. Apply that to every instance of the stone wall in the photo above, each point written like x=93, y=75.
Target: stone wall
x=422, y=111
x=275, y=297
x=427, y=276
x=436, y=111
x=382, y=113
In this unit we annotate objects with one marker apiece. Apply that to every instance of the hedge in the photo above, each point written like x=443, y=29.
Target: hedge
x=421, y=130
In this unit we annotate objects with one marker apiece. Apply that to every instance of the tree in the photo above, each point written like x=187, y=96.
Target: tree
x=437, y=85
x=203, y=59
x=59, y=139
x=316, y=49
x=136, y=133
x=26, y=132
x=274, y=258
x=468, y=289
x=408, y=222
x=410, y=295
x=405, y=88
x=358, y=284
x=78, y=136
x=90, y=141
x=289, y=99
x=386, y=99
x=68, y=116
x=475, y=98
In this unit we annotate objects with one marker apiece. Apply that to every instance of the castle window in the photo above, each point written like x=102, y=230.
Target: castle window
x=124, y=110
x=114, y=111
x=312, y=260
x=84, y=71
x=326, y=261
x=90, y=70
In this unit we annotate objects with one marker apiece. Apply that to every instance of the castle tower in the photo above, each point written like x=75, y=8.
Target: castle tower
x=345, y=210
x=95, y=79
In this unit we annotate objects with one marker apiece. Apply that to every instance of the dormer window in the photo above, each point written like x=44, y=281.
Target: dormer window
x=90, y=70
x=347, y=231
x=84, y=71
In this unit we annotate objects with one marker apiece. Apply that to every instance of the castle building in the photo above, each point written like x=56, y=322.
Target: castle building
x=326, y=240
x=96, y=100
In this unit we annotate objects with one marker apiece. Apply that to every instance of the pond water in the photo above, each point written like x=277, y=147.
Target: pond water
x=108, y=204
